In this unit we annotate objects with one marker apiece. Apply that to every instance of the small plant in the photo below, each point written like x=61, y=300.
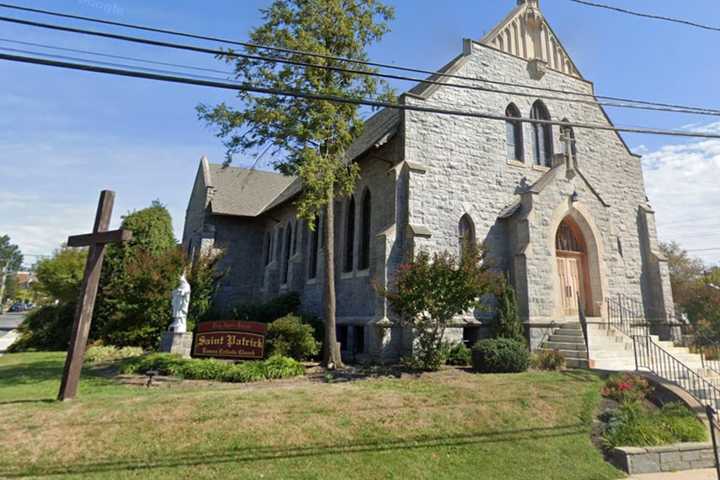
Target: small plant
x=552, y=360
x=500, y=355
x=634, y=425
x=458, y=355
x=289, y=336
x=275, y=367
x=507, y=323
x=267, y=312
x=110, y=353
x=626, y=388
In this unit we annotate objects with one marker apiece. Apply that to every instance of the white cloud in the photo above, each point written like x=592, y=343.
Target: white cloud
x=682, y=183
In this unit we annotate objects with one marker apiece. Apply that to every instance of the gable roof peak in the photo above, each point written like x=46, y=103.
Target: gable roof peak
x=525, y=33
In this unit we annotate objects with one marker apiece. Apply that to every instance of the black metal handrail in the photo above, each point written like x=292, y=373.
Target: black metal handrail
x=627, y=316
x=656, y=359
x=584, y=327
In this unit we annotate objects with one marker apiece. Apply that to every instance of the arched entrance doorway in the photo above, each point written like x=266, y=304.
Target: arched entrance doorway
x=572, y=267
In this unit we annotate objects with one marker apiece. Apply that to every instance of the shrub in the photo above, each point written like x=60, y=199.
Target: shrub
x=204, y=279
x=289, y=336
x=267, y=312
x=46, y=328
x=506, y=323
x=430, y=291
x=500, y=355
x=548, y=360
x=633, y=425
x=110, y=353
x=458, y=355
x=626, y=388
x=275, y=367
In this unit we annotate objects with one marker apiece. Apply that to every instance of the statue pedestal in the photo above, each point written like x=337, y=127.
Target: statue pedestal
x=179, y=343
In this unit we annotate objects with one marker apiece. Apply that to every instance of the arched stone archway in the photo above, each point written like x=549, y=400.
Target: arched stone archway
x=577, y=264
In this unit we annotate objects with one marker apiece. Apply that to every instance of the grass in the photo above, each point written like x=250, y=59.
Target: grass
x=449, y=425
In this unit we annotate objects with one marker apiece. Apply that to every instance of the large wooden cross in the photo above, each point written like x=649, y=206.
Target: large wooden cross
x=97, y=241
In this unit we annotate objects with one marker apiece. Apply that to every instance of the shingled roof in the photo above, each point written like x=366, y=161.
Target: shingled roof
x=243, y=192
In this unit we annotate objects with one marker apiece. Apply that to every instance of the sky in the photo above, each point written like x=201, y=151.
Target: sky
x=66, y=135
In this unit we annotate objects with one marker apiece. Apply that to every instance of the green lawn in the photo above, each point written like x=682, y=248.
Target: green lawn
x=450, y=425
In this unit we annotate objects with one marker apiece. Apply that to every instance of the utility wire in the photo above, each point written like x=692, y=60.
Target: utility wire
x=342, y=99
x=647, y=15
x=341, y=59
x=117, y=57
x=345, y=70
x=264, y=58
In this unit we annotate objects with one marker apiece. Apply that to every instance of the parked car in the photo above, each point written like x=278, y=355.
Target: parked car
x=18, y=307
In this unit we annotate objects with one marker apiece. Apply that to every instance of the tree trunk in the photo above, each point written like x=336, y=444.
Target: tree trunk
x=332, y=355
x=3, y=276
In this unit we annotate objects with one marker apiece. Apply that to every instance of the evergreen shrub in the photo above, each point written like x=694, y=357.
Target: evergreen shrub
x=500, y=355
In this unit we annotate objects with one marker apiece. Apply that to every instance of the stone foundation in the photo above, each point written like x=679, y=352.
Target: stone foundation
x=669, y=458
x=178, y=343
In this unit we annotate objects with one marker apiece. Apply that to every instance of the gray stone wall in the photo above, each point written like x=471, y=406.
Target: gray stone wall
x=669, y=458
x=467, y=172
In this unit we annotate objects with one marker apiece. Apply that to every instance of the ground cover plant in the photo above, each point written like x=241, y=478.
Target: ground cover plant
x=110, y=353
x=445, y=425
x=548, y=360
x=275, y=367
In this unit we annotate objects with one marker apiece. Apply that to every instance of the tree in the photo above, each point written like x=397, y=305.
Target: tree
x=685, y=272
x=11, y=260
x=308, y=138
x=507, y=323
x=59, y=277
x=138, y=277
x=11, y=288
x=430, y=292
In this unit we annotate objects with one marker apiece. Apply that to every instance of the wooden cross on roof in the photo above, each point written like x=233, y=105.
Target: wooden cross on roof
x=97, y=241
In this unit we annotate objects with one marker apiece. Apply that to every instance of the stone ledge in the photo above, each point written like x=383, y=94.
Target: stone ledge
x=667, y=458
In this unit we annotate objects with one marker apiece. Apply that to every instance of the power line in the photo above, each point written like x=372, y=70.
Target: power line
x=325, y=67
x=343, y=59
x=117, y=57
x=341, y=99
x=647, y=15
x=704, y=249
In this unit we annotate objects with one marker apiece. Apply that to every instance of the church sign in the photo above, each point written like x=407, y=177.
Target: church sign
x=230, y=340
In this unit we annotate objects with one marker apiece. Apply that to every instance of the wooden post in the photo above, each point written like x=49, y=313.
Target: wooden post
x=97, y=242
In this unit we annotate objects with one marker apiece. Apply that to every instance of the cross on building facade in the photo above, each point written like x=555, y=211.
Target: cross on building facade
x=97, y=241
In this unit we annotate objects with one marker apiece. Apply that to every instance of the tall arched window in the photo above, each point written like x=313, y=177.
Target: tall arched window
x=567, y=134
x=466, y=234
x=365, y=232
x=542, y=135
x=288, y=249
x=314, y=246
x=350, y=236
x=514, y=134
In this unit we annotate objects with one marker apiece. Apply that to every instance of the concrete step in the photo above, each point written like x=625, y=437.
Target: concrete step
x=552, y=345
x=567, y=338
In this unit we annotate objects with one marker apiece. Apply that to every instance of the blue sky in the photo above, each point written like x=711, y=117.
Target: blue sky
x=66, y=135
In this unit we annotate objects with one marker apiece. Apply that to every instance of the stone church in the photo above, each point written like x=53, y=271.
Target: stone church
x=562, y=211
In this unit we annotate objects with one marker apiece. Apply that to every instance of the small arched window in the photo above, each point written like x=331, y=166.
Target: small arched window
x=567, y=136
x=542, y=135
x=514, y=134
x=466, y=234
x=350, y=236
x=365, y=232
x=288, y=249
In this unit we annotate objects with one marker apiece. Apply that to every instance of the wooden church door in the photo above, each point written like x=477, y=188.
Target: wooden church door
x=570, y=253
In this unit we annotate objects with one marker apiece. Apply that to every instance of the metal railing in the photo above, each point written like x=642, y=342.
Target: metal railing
x=627, y=315
x=584, y=327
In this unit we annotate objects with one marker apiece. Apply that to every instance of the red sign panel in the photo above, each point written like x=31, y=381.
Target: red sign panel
x=231, y=340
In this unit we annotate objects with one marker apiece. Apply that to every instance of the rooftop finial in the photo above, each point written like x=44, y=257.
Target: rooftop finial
x=532, y=3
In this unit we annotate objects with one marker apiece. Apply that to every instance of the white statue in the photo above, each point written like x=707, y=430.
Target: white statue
x=180, y=306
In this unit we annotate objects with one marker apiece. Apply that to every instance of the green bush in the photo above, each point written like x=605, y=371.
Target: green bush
x=552, y=360
x=507, y=323
x=275, y=367
x=626, y=388
x=500, y=355
x=289, y=336
x=110, y=353
x=634, y=425
x=278, y=307
x=458, y=355
x=46, y=328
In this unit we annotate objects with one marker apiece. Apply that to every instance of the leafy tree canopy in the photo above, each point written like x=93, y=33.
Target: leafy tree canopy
x=59, y=277
x=11, y=258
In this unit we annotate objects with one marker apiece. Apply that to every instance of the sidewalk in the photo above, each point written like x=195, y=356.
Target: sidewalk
x=7, y=339
x=708, y=474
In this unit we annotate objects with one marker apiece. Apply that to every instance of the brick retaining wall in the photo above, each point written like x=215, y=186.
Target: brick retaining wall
x=669, y=458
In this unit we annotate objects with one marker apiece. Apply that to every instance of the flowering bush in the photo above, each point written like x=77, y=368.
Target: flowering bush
x=626, y=388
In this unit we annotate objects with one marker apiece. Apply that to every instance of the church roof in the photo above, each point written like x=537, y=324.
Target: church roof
x=243, y=192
